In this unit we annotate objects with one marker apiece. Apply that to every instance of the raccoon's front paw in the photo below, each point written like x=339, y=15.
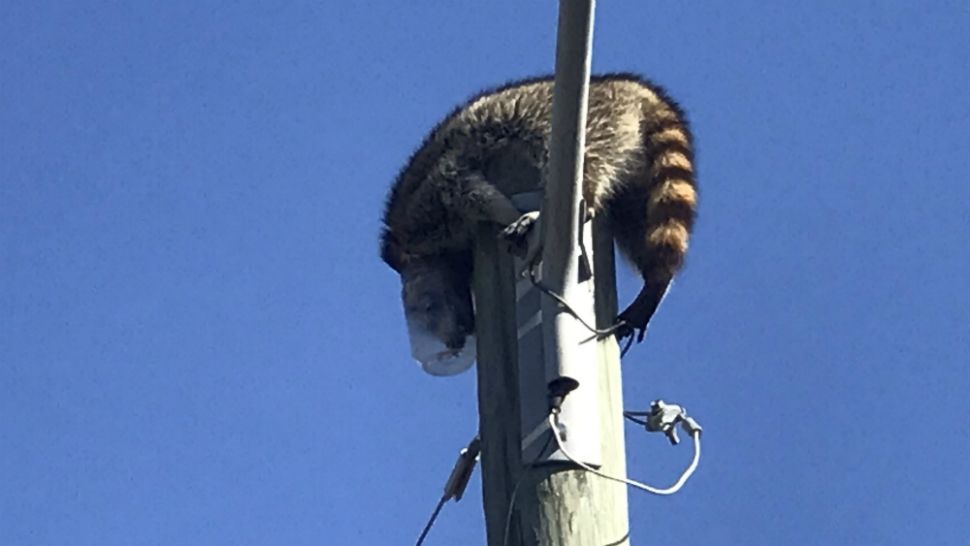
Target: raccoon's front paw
x=522, y=236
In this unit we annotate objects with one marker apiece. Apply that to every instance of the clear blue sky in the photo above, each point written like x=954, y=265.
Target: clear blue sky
x=199, y=344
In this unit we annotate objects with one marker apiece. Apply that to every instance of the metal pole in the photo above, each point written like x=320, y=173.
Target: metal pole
x=568, y=360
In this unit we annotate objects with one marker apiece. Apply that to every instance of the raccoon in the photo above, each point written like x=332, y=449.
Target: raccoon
x=638, y=170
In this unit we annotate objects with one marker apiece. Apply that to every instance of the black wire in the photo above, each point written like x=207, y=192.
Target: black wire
x=601, y=333
x=629, y=415
x=434, y=516
x=515, y=490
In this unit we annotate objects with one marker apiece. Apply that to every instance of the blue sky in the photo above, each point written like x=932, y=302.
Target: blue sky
x=199, y=344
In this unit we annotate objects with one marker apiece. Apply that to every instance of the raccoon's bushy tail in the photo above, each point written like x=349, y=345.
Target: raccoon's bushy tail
x=654, y=214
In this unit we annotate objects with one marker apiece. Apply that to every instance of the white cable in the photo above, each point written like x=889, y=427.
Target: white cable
x=668, y=491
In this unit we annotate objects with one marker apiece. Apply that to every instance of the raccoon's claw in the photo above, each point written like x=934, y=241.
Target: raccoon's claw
x=631, y=323
x=623, y=329
x=522, y=236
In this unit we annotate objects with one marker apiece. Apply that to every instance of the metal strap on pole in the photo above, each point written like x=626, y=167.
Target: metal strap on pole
x=569, y=352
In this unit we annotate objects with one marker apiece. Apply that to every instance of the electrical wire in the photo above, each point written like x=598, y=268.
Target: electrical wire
x=457, y=481
x=552, y=422
x=434, y=516
x=633, y=483
x=632, y=417
x=515, y=491
x=600, y=333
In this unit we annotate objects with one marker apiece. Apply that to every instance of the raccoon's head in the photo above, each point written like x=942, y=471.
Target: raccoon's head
x=437, y=298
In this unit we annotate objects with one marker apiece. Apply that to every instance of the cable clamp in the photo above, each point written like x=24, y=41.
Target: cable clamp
x=664, y=417
x=462, y=472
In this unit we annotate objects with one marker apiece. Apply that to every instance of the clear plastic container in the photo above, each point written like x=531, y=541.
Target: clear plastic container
x=435, y=357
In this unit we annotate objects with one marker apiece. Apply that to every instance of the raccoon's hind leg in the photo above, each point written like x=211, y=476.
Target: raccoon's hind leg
x=629, y=224
x=636, y=317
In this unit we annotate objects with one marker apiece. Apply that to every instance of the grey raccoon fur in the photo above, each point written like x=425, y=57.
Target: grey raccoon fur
x=638, y=170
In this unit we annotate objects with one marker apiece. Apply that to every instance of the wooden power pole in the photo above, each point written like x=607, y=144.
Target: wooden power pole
x=556, y=503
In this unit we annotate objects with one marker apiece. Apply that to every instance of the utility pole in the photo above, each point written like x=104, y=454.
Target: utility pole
x=555, y=502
